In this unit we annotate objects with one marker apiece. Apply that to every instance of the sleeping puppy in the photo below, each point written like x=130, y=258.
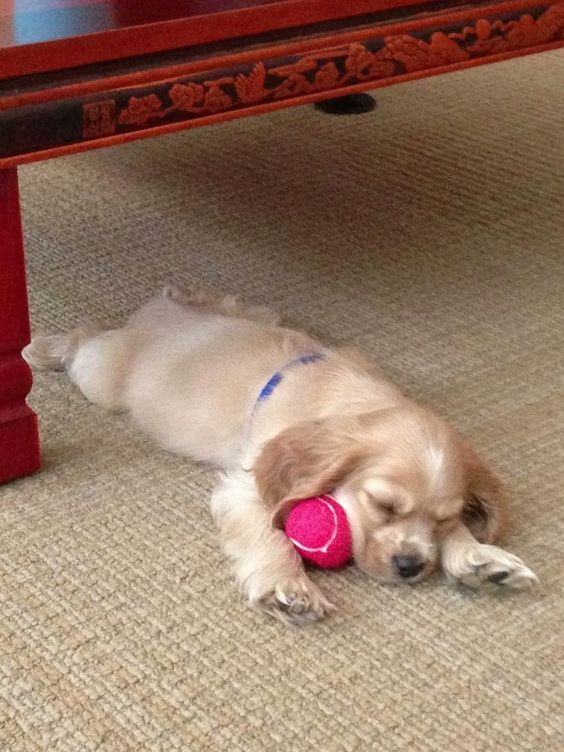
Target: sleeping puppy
x=286, y=418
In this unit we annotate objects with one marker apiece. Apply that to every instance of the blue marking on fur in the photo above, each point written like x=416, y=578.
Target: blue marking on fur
x=274, y=380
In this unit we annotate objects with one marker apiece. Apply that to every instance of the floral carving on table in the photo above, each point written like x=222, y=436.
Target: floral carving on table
x=339, y=67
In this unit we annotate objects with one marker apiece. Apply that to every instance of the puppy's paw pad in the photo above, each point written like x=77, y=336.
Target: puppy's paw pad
x=490, y=564
x=498, y=577
x=504, y=569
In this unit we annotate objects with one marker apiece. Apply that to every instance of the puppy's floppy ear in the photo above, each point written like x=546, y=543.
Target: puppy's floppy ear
x=308, y=459
x=486, y=500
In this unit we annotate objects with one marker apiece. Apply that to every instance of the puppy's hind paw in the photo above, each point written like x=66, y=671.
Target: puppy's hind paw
x=176, y=294
x=47, y=352
x=55, y=352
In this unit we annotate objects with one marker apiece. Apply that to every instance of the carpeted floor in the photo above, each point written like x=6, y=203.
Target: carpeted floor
x=429, y=233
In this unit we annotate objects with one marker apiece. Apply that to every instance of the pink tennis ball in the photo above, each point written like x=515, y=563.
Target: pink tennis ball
x=319, y=529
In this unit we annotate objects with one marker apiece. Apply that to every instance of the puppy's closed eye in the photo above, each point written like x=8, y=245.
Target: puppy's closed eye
x=387, y=507
x=389, y=510
x=445, y=524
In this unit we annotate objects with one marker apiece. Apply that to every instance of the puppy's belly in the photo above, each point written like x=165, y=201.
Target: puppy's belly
x=186, y=405
x=193, y=389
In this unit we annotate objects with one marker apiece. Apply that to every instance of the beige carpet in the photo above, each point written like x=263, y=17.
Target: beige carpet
x=430, y=233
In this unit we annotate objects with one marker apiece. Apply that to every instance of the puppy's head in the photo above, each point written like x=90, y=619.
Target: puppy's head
x=404, y=477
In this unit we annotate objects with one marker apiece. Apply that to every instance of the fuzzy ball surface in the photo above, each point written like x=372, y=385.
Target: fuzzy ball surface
x=319, y=529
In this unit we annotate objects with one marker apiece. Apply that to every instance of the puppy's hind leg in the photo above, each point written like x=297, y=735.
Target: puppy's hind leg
x=225, y=305
x=97, y=361
x=55, y=352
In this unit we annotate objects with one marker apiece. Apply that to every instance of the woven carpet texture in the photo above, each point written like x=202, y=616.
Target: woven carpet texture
x=430, y=234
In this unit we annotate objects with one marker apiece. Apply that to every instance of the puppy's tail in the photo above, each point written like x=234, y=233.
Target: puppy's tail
x=55, y=352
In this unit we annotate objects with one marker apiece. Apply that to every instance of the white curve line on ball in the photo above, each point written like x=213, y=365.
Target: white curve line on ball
x=325, y=547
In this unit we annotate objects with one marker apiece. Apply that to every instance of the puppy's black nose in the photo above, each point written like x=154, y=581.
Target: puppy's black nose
x=407, y=566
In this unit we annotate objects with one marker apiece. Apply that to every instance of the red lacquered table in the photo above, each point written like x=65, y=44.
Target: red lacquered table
x=78, y=74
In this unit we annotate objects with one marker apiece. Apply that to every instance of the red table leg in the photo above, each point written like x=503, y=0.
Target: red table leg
x=19, y=440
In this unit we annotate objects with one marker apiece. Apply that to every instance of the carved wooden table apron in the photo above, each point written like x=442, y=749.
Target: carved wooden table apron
x=78, y=74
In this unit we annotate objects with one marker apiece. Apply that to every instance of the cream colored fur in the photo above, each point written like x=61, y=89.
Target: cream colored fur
x=189, y=370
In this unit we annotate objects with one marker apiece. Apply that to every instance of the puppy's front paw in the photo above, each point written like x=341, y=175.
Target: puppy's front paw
x=296, y=601
x=478, y=564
